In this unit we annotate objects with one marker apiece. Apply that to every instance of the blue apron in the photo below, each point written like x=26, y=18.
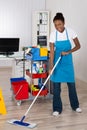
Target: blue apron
x=64, y=71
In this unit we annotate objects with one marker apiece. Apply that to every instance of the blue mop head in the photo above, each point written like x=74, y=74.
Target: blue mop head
x=20, y=123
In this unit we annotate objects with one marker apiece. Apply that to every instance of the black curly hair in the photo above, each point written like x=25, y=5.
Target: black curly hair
x=59, y=16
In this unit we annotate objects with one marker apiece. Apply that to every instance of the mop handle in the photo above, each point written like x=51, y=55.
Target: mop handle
x=18, y=90
x=43, y=86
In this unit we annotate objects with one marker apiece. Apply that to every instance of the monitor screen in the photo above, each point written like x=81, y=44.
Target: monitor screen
x=8, y=45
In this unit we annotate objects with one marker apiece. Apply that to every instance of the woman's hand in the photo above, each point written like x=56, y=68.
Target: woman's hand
x=77, y=46
x=64, y=53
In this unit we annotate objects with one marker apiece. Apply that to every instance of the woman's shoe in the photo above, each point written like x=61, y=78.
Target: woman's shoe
x=55, y=113
x=79, y=110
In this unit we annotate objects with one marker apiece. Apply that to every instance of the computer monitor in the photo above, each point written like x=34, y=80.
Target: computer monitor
x=9, y=45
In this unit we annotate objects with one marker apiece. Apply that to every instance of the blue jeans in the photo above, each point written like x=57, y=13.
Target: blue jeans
x=57, y=103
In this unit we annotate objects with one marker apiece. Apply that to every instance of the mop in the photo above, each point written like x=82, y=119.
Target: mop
x=26, y=124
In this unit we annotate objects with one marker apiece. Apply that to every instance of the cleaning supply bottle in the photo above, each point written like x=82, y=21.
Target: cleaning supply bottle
x=34, y=68
x=40, y=83
x=44, y=68
x=40, y=69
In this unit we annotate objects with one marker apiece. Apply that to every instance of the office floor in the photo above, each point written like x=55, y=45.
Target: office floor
x=41, y=112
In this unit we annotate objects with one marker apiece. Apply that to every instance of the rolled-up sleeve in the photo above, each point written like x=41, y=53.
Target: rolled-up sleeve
x=73, y=34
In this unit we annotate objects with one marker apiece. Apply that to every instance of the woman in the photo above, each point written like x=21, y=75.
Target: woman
x=60, y=45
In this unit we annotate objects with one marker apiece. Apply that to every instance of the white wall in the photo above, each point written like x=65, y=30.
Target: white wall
x=16, y=18
x=76, y=18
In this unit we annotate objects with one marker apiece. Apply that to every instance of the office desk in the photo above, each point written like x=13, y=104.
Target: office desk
x=16, y=61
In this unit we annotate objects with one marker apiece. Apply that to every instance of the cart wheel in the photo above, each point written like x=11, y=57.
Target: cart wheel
x=18, y=103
